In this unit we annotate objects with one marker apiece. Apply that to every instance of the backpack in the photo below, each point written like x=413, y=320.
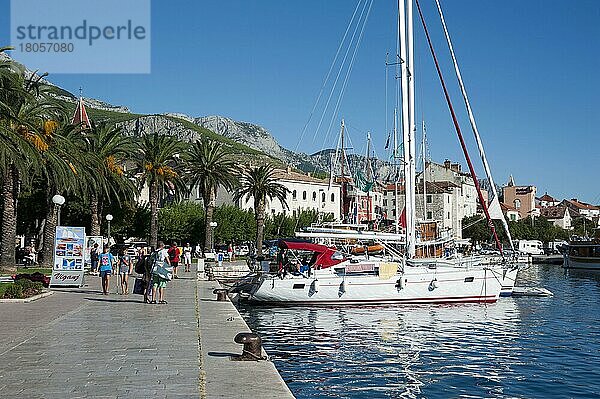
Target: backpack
x=140, y=266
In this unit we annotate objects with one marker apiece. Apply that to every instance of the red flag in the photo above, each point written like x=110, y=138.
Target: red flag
x=403, y=218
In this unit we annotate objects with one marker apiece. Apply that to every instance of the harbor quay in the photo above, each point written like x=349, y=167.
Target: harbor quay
x=79, y=343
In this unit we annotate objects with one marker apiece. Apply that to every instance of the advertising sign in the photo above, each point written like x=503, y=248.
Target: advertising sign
x=68, y=256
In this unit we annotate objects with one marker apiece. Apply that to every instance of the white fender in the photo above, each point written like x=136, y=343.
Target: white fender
x=433, y=285
x=344, y=285
x=316, y=285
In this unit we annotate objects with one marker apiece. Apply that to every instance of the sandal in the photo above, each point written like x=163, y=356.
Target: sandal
x=163, y=302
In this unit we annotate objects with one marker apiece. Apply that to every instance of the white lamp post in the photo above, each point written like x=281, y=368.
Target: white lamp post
x=212, y=235
x=109, y=217
x=58, y=200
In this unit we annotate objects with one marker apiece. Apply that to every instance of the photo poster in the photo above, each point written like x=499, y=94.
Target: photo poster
x=89, y=244
x=69, y=250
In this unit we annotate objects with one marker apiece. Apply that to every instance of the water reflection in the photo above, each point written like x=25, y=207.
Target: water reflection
x=387, y=351
x=521, y=347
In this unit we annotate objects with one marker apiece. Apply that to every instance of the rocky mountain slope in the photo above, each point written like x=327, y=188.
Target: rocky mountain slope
x=243, y=137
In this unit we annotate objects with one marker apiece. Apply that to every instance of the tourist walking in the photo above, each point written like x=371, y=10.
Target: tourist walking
x=125, y=266
x=161, y=260
x=174, y=255
x=230, y=253
x=187, y=257
x=94, y=259
x=106, y=262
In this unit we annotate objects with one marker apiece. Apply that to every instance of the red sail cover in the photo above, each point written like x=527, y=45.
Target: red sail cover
x=324, y=254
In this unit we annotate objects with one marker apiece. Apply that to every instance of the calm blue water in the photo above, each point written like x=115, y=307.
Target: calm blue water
x=516, y=348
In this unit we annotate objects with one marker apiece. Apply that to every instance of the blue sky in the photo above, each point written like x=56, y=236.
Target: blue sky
x=531, y=69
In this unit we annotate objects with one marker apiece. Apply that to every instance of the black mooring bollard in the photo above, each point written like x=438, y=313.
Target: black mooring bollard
x=221, y=294
x=252, y=347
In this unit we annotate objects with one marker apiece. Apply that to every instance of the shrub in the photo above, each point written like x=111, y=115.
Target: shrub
x=23, y=289
x=29, y=287
x=14, y=291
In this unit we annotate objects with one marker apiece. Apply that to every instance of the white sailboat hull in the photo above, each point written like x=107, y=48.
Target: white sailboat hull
x=417, y=284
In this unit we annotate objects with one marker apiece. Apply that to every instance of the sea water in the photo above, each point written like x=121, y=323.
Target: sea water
x=516, y=348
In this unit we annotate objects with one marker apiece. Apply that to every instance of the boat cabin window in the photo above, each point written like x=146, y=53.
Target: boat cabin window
x=332, y=197
x=294, y=194
x=314, y=196
x=429, y=199
x=304, y=195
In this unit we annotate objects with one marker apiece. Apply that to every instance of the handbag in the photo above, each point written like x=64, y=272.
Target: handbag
x=139, y=287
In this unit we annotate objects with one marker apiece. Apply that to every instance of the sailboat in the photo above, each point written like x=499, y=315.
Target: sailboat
x=332, y=276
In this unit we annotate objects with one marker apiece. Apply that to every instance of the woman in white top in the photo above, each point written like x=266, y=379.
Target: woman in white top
x=187, y=257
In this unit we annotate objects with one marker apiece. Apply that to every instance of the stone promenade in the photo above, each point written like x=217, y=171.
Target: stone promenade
x=78, y=343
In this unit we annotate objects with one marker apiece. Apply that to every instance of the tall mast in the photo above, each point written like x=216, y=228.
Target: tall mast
x=406, y=57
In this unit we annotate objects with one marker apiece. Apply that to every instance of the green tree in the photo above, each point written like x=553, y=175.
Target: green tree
x=234, y=225
x=157, y=162
x=260, y=184
x=181, y=222
x=210, y=166
x=110, y=148
x=27, y=112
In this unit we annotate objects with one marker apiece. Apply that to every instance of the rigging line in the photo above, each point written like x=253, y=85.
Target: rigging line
x=337, y=77
x=386, y=94
x=458, y=131
x=333, y=62
x=349, y=71
x=463, y=90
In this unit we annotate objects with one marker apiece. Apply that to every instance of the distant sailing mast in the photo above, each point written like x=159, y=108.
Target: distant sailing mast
x=341, y=158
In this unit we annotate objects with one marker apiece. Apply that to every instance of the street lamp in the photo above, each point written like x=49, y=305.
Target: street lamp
x=212, y=235
x=58, y=200
x=109, y=217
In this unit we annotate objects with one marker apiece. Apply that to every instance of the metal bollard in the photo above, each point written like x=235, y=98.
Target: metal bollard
x=252, y=347
x=221, y=294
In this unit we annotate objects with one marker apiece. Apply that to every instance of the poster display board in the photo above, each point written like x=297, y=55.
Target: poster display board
x=89, y=244
x=69, y=244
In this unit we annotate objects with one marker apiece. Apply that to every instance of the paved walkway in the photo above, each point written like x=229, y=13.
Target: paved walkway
x=220, y=322
x=78, y=343
x=83, y=344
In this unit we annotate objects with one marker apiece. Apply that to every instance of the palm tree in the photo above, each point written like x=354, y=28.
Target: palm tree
x=210, y=166
x=26, y=112
x=157, y=162
x=260, y=184
x=111, y=148
x=66, y=168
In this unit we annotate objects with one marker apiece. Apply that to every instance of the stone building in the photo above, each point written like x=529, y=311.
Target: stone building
x=522, y=198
